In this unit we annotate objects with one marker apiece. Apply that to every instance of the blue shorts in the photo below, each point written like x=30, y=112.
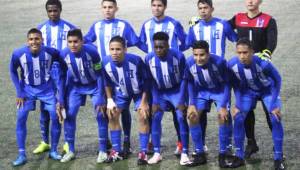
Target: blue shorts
x=205, y=99
x=169, y=99
x=249, y=100
x=123, y=102
x=45, y=93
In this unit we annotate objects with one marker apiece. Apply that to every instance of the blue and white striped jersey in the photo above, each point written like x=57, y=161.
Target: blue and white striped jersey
x=102, y=31
x=214, y=32
x=35, y=68
x=211, y=77
x=128, y=77
x=55, y=33
x=84, y=66
x=167, y=72
x=169, y=25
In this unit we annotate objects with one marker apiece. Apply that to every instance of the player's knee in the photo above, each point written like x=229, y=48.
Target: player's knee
x=275, y=121
x=239, y=119
x=157, y=117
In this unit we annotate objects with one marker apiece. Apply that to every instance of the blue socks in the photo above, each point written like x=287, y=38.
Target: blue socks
x=239, y=134
x=156, y=130
x=116, y=140
x=126, y=124
x=277, y=135
x=55, y=131
x=196, y=134
x=102, y=131
x=21, y=130
x=44, y=125
x=144, y=138
x=184, y=131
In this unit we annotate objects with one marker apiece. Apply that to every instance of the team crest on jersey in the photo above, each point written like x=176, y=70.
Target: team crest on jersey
x=260, y=22
x=216, y=34
x=44, y=63
x=116, y=31
x=63, y=35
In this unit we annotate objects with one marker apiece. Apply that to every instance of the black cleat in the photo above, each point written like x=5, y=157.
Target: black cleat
x=236, y=162
x=108, y=145
x=126, y=150
x=279, y=165
x=198, y=159
x=251, y=148
x=150, y=150
x=223, y=162
x=142, y=159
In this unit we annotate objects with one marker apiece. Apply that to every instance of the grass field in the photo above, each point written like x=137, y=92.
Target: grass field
x=16, y=17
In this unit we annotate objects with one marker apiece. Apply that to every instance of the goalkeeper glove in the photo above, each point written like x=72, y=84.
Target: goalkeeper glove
x=110, y=103
x=194, y=20
x=265, y=55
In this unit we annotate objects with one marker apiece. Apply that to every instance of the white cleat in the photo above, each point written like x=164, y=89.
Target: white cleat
x=102, y=157
x=68, y=157
x=156, y=158
x=184, y=160
x=205, y=148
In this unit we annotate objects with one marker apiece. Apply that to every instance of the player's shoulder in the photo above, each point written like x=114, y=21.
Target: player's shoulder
x=68, y=24
x=20, y=51
x=262, y=63
x=90, y=49
x=149, y=56
x=133, y=58
x=233, y=61
x=190, y=60
x=217, y=59
x=40, y=26
x=49, y=50
x=172, y=20
x=176, y=53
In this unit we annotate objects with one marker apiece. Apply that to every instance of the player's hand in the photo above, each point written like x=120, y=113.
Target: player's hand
x=265, y=55
x=144, y=110
x=61, y=113
x=235, y=111
x=276, y=112
x=191, y=112
x=223, y=114
x=194, y=20
x=20, y=102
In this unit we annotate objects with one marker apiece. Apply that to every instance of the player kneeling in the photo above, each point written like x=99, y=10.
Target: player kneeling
x=254, y=79
x=126, y=79
x=206, y=75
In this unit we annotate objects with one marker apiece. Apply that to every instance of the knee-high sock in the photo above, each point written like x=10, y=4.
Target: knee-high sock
x=184, y=131
x=116, y=140
x=126, y=124
x=44, y=125
x=21, y=130
x=102, y=131
x=156, y=130
x=176, y=125
x=144, y=138
x=196, y=134
x=70, y=128
x=229, y=128
x=239, y=134
x=250, y=126
x=203, y=123
x=277, y=135
x=55, y=131
x=223, y=138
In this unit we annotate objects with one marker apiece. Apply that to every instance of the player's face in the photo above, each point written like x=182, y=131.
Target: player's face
x=117, y=51
x=252, y=5
x=200, y=56
x=161, y=48
x=53, y=12
x=74, y=44
x=34, y=41
x=205, y=11
x=244, y=53
x=158, y=9
x=109, y=9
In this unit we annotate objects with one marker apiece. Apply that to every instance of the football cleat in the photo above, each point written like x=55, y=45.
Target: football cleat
x=178, y=150
x=251, y=148
x=223, y=162
x=185, y=160
x=113, y=157
x=199, y=159
x=126, y=150
x=205, y=148
x=21, y=160
x=102, y=157
x=142, y=159
x=236, y=162
x=279, y=165
x=150, y=150
x=156, y=158
x=54, y=155
x=68, y=157
x=66, y=148
x=43, y=147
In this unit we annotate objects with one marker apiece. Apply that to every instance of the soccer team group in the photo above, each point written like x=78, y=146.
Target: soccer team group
x=60, y=67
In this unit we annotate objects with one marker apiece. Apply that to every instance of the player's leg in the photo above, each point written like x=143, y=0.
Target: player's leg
x=74, y=102
x=102, y=122
x=251, y=147
x=267, y=116
x=126, y=124
x=277, y=129
x=178, y=150
x=21, y=131
x=44, y=126
x=203, y=123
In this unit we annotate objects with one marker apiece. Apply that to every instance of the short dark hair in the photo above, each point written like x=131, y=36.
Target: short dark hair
x=113, y=1
x=161, y=36
x=208, y=2
x=34, y=31
x=54, y=2
x=201, y=45
x=76, y=33
x=118, y=39
x=244, y=41
x=165, y=2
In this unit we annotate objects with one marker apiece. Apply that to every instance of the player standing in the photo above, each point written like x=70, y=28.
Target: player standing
x=261, y=29
x=54, y=33
x=207, y=79
x=34, y=83
x=254, y=79
x=168, y=88
x=160, y=22
x=101, y=32
x=126, y=80
x=85, y=75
